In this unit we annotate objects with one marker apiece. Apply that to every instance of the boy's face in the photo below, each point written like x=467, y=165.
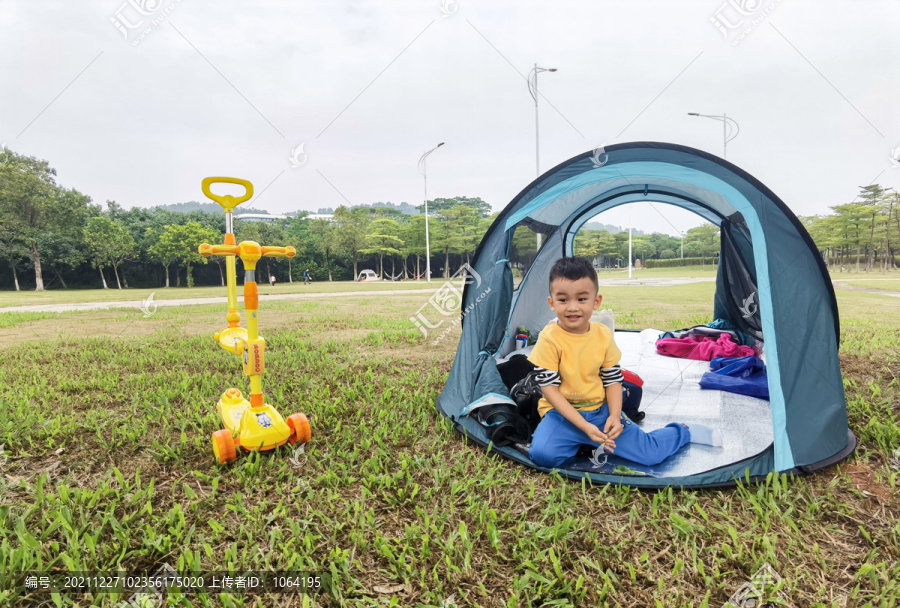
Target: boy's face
x=573, y=302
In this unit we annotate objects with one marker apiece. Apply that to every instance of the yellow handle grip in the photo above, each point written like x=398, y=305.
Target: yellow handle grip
x=207, y=250
x=227, y=201
x=279, y=252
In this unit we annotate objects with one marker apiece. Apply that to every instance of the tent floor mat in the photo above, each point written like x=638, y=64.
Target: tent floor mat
x=672, y=393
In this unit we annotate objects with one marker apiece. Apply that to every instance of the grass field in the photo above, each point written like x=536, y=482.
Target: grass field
x=106, y=418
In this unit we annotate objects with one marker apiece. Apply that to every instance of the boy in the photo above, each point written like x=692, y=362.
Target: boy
x=578, y=365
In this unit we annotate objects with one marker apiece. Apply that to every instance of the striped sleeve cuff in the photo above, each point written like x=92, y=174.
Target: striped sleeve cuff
x=546, y=377
x=611, y=375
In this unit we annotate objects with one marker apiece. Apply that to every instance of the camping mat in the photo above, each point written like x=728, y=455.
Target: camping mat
x=672, y=393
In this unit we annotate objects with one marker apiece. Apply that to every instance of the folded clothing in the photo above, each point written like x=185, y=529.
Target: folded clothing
x=744, y=376
x=713, y=330
x=702, y=348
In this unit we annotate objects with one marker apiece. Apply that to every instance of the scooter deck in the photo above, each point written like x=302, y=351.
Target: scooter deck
x=257, y=428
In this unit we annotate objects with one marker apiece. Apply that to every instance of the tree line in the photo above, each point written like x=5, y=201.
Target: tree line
x=861, y=235
x=52, y=236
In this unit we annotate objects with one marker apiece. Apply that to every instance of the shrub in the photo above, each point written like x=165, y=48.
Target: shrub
x=680, y=262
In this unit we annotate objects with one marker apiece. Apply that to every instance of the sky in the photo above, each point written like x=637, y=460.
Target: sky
x=333, y=102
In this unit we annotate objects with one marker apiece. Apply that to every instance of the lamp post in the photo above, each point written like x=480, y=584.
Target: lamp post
x=423, y=169
x=730, y=129
x=533, y=89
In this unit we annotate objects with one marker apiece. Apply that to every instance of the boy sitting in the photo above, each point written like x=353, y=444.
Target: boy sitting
x=578, y=365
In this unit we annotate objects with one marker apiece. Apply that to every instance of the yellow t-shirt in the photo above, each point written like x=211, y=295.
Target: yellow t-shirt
x=578, y=359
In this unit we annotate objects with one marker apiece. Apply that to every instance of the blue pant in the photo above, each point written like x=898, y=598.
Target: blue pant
x=556, y=439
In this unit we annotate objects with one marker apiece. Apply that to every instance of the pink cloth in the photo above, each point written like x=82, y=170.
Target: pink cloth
x=702, y=349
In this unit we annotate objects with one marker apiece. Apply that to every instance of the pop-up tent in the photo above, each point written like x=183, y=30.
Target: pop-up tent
x=771, y=283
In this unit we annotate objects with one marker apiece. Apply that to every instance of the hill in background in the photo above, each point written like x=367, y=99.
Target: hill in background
x=215, y=208
x=610, y=228
x=207, y=207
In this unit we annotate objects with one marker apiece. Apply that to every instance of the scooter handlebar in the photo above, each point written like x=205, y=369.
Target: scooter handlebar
x=227, y=201
x=278, y=252
x=207, y=250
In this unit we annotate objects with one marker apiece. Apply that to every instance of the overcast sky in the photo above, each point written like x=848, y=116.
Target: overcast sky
x=137, y=100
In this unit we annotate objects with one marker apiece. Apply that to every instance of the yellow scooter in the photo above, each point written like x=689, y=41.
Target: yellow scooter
x=253, y=424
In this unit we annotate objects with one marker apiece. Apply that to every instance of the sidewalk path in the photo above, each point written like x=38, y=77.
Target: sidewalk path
x=194, y=301
x=893, y=294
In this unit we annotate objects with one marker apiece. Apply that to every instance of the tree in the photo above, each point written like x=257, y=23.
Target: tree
x=162, y=250
x=451, y=231
x=323, y=233
x=108, y=242
x=182, y=242
x=702, y=241
x=61, y=251
x=13, y=250
x=414, y=242
x=31, y=203
x=383, y=239
x=351, y=231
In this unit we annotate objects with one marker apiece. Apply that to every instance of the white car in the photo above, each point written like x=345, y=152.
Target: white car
x=367, y=276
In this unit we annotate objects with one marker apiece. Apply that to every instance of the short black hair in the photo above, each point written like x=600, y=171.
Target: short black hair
x=573, y=269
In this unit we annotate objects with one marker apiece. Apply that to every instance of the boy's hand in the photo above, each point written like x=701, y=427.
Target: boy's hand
x=597, y=436
x=613, y=427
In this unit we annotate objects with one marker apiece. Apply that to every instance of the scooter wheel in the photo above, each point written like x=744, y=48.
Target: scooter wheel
x=300, y=431
x=223, y=446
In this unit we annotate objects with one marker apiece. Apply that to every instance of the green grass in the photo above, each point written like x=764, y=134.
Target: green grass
x=106, y=429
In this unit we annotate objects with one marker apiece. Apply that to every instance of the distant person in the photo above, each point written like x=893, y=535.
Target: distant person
x=307, y=278
x=272, y=280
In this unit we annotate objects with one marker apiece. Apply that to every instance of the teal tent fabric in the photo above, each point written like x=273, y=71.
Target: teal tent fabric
x=795, y=298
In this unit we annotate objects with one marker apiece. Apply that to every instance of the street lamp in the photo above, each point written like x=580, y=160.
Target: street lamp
x=423, y=170
x=730, y=129
x=533, y=89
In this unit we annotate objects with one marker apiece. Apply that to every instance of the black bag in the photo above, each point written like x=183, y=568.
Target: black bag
x=503, y=424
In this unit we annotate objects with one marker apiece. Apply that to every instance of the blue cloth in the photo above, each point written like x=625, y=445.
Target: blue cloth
x=744, y=376
x=556, y=440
